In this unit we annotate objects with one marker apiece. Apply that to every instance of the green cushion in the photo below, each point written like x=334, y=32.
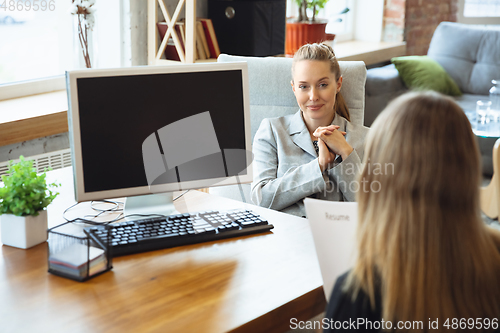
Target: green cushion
x=424, y=73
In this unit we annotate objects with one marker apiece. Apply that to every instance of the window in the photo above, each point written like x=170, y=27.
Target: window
x=479, y=11
x=33, y=45
x=38, y=43
x=340, y=18
x=481, y=8
x=351, y=25
x=339, y=23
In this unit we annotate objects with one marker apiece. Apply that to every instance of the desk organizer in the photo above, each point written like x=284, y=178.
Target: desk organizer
x=73, y=254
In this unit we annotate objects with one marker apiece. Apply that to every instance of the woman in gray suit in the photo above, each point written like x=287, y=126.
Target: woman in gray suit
x=315, y=152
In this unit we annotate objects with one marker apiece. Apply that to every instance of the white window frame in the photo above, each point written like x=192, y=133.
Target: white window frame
x=32, y=87
x=474, y=20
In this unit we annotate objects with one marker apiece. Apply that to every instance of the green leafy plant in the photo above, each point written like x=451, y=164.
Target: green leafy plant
x=315, y=5
x=25, y=192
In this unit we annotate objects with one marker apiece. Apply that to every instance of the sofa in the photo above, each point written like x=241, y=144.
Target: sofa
x=271, y=95
x=470, y=54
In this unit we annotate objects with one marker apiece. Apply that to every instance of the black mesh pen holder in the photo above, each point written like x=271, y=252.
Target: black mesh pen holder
x=74, y=254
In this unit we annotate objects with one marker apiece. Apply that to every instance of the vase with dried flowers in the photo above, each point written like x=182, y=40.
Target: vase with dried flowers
x=84, y=21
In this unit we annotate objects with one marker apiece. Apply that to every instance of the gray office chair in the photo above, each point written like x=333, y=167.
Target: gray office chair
x=271, y=95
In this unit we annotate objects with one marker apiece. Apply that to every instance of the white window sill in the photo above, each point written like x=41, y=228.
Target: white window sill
x=369, y=52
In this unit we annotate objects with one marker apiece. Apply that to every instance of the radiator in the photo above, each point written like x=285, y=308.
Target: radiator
x=55, y=160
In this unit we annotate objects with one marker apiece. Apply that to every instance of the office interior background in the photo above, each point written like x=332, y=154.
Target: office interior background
x=38, y=46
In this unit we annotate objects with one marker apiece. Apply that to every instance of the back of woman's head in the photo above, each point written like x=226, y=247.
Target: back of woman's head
x=323, y=52
x=420, y=229
x=429, y=154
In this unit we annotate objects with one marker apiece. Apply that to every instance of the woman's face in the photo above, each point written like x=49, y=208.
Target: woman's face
x=315, y=89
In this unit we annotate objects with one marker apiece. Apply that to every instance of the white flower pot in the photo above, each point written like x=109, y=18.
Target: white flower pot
x=24, y=231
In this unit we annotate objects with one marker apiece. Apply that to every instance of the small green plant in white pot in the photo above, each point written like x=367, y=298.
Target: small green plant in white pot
x=23, y=199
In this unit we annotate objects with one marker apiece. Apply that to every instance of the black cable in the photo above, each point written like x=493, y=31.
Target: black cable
x=115, y=208
x=64, y=217
x=242, y=194
x=115, y=203
x=101, y=211
x=180, y=195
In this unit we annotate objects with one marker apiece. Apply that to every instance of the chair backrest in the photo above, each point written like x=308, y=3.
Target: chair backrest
x=271, y=94
x=490, y=195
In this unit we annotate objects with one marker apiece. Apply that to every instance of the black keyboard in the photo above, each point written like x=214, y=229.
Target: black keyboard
x=176, y=230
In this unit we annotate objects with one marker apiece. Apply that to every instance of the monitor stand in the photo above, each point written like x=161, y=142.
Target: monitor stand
x=160, y=203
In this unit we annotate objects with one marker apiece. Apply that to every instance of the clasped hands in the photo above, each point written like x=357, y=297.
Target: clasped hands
x=331, y=142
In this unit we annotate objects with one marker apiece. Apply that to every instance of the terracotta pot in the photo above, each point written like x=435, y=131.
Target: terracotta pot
x=300, y=33
x=330, y=37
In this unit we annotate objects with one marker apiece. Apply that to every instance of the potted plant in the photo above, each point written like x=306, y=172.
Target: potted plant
x=304, y=30
x=23, y=200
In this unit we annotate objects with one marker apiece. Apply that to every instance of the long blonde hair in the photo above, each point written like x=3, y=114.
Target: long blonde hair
x=324, y=52
x=420, y=234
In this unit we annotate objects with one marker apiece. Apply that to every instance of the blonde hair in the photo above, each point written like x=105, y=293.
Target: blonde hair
x=420, y=234
x=323, y=52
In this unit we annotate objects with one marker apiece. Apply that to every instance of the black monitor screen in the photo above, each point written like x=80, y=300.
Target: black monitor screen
x=118, y=113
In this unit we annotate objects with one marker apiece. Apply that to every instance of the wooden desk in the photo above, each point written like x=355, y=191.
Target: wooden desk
x=248, y=284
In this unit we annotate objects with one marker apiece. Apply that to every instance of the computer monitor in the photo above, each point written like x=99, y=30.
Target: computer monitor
x=140, y=131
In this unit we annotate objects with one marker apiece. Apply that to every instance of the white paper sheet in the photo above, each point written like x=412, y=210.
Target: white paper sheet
x=333, y=226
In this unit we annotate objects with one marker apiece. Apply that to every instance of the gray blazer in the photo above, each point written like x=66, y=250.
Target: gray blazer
x=286, y=168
